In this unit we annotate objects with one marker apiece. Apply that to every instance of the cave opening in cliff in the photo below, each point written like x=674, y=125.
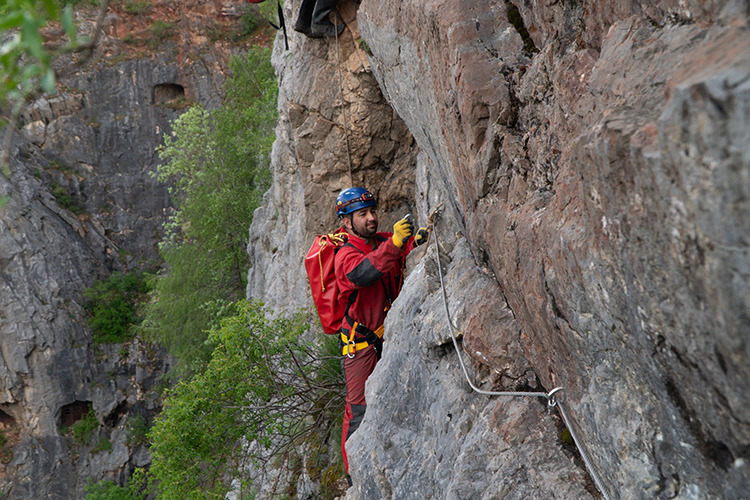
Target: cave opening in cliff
x=168, y=92
x=6, y=421
x=72, y=413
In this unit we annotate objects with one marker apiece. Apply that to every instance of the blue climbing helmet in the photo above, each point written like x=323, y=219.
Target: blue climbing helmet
x=353, y=199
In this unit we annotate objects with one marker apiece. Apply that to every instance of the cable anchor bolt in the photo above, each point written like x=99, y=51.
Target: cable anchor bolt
x=551, y=399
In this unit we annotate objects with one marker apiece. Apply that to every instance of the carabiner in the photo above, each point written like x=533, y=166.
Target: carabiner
x=551, y=399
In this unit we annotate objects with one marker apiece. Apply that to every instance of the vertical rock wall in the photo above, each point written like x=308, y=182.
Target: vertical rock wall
x=598, y=157
x=82, y=204
x=592, y=160
x=335, y=130
x=71, y=220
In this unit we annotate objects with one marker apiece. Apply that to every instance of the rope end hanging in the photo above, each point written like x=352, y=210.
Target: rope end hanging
x=435, y=215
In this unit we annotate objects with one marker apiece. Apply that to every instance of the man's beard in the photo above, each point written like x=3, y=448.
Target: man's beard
x=368, y=232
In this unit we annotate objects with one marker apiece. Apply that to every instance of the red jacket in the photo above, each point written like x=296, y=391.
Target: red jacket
x=371, y=279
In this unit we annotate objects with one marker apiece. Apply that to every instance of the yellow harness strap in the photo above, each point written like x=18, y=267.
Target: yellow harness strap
x=351, y=347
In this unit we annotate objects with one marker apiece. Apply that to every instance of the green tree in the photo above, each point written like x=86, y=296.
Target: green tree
x=264, y=384
x=217, y=164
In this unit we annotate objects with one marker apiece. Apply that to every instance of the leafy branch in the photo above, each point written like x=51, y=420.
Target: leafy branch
x=265, y=392
x=26, y=64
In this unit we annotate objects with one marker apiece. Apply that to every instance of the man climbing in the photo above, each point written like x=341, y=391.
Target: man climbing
x=312, y=19
x=369, y=270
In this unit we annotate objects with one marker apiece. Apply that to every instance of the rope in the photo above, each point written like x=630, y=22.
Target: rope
x=552, y=401
x=336, y=239
x=341, y=89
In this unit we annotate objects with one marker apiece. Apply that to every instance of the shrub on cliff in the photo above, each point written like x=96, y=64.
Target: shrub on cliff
x=265, y=385
x=112, y=305
x=136, y=488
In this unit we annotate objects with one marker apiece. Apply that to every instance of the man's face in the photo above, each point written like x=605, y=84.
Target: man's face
x=365, y=221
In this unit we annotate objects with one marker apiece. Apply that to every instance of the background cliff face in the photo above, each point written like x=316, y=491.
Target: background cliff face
x=82, y=205
x=593, y=163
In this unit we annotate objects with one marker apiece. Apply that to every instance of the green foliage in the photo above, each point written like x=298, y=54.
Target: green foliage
x=104, y=445
x=186, y=305
x=66, y=200
x=3, y=439
x=83, y=430
x=137, y=431
x=248, y=23
x=264, y=383
x=73, y=3
x=217, y=166
x=160, y=31
x=112, y=306
x=267, y=10
x=363, y=46
x=135, y=489
x=137, y=7
x=24, y=62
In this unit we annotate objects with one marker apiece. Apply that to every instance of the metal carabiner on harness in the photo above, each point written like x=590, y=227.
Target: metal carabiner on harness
x=350, y=348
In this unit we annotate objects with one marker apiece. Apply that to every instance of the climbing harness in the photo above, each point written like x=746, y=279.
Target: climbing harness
x=552, y=400
x=350, y=347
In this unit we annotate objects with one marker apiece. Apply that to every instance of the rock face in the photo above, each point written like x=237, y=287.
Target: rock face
x=593, y=164
x=51, y=374
x=335, y=129
x=81, y=205
x=592, y=161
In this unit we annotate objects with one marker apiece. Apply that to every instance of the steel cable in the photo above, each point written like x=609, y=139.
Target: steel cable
x=552, y=401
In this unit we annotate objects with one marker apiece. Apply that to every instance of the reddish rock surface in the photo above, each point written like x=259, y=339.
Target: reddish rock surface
x=592, y=159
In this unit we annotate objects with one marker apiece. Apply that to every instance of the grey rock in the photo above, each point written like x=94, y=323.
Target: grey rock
x=592, y=162
x=94, y=143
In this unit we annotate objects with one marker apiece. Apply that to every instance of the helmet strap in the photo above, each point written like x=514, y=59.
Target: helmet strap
x=351, y=221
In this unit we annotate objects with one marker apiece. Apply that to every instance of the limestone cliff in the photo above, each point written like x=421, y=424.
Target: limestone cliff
x=82, y=204
x=593, y=162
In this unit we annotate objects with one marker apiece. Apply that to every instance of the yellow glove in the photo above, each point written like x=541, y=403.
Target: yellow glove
x=402, y=230
x=423, y=234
